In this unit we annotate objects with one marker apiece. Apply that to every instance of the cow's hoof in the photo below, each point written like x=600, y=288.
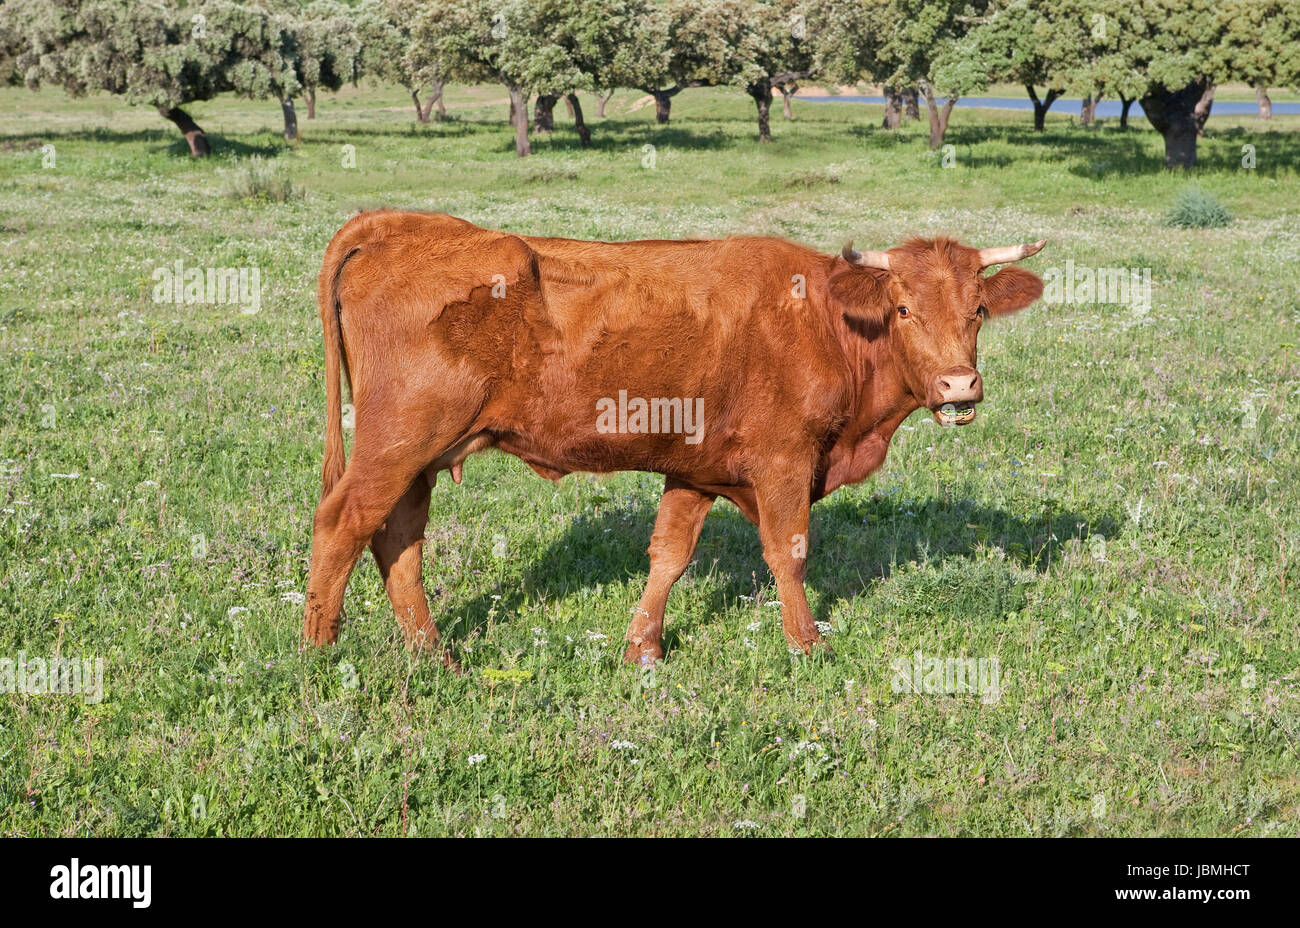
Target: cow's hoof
x=813, y=647
x=449, y=662
x=645, y=654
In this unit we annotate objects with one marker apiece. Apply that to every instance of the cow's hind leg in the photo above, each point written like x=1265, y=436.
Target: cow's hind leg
x=396, y=440
x=346, y=520
x=398, y=548
x=677, y=529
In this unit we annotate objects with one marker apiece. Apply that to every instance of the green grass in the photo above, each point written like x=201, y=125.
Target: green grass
x=1149, y=681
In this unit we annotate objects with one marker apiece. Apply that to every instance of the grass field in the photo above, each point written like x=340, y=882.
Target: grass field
x=1118, y=529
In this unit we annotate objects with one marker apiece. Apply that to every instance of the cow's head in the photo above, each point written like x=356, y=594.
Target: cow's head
x=933, y=300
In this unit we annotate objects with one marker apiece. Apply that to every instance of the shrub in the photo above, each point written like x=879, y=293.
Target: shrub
x=1195, y=209
x=549, y=174
x=261, y=179
x=812, y=179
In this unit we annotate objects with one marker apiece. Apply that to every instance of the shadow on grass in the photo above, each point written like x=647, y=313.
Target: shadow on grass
x=855, y=543
x=1138, y=150
x=433, y=132
x=607, y=135
x=158, y=141
x=1095, y=153
x=266, y=142
x=617, y=137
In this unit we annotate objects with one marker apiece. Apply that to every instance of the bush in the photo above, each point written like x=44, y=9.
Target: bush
x=261, y=179
x=812, y=179
x=1195, y=209
x=549, y=174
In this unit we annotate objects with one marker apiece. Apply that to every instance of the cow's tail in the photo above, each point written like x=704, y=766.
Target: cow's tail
x=336, y=361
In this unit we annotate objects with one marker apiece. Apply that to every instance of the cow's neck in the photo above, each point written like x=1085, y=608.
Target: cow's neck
x=883, y=402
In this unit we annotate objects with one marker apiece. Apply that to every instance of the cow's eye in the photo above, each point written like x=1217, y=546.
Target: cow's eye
x=902, y=310
x=983, y=311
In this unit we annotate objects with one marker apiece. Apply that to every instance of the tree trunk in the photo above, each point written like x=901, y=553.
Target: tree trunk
x=1041, y=106
x=1180, y=117
x=893, y=108
x=762, y=94
x=1124, y=104
x=663, y=105
x=787, y=93
x=1265, y=104
x=575, y=105
x=421, y=110
x=938, y=117
x=568, y=104
x=519, y=115
x=544, y=112
x=310, y=97
x=1088, y=110
x=1201, y=112
x=290, y=119
x=194, y=136
x=435, y=98
x=913, y=106
x=601, y=103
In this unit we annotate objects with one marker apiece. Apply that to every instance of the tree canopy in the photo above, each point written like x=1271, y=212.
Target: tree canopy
x=1168, y=54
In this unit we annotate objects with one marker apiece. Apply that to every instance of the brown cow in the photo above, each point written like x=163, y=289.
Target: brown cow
x=750, y=368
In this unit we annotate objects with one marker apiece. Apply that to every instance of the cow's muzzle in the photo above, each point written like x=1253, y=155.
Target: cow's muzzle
x=953, y=395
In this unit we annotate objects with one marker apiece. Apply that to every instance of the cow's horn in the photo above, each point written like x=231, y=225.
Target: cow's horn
x=876, y=259
x=1007, y=253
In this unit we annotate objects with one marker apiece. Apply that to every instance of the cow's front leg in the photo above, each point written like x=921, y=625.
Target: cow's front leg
x=783, y=506
x=677, y=529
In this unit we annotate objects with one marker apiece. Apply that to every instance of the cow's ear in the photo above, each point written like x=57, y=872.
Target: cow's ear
x=1010, y=289
x=860, y=294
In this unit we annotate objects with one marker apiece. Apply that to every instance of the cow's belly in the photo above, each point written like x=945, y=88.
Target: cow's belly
x=705, y=476
x=552, y=455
